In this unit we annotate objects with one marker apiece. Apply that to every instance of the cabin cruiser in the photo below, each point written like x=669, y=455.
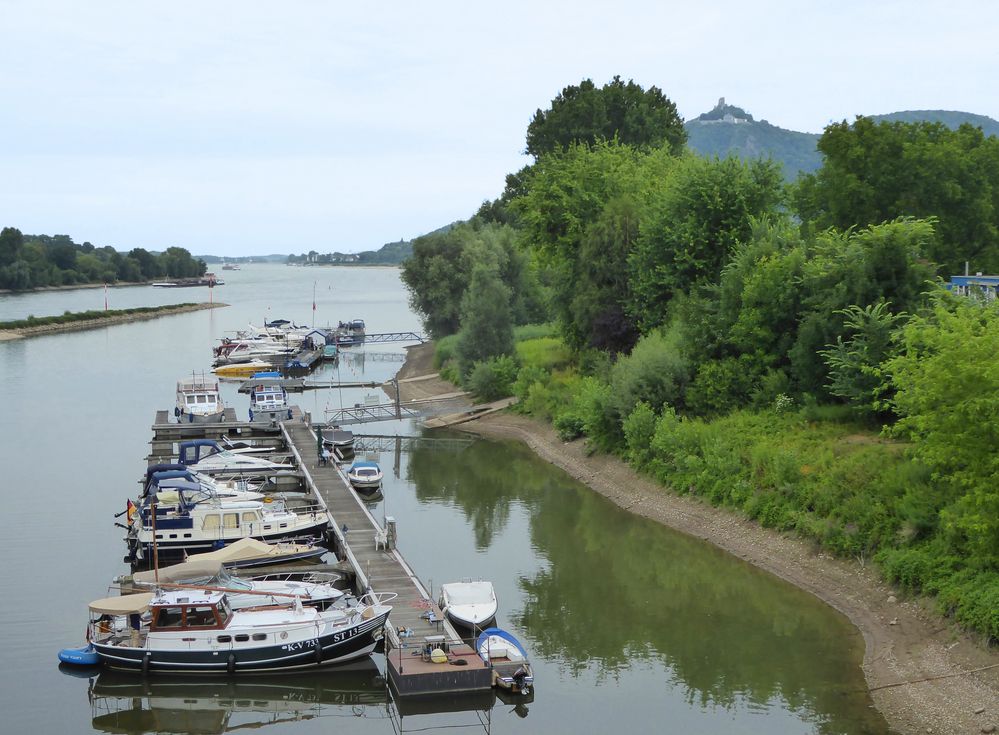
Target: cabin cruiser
x=312, y=588
x=268, y=401
x=159, y=475
x=183, y=525
x=250, y=349
x=348, y=334
x=469, y=604
x=198, y=631
x=198, y=401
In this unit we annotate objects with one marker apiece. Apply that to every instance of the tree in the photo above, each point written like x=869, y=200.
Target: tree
x=586, y=114
x=486, y=327
x=698, y=215
x=11, y=242
x=856, y=370
x=875, y=172
x=947, y=394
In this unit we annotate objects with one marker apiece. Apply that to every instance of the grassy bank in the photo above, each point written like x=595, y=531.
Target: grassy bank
x=91, y=319
x=809, y=470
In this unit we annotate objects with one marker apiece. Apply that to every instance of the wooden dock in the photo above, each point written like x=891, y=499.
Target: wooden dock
x=366, y=551
x=380, y=567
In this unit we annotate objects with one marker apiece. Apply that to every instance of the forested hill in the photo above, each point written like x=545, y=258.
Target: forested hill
x=393, y=253
x=728, y=128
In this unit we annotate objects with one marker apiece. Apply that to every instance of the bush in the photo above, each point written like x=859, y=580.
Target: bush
x=444, y=351
x=639, y=428
x=493, y=379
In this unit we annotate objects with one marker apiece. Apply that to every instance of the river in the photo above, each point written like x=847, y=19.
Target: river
x=631, y=626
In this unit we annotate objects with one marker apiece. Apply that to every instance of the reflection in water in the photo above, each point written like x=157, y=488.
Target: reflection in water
x=126, y=703
x=619, y=591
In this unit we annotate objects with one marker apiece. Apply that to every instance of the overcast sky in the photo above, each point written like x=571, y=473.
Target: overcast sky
x=258, y=127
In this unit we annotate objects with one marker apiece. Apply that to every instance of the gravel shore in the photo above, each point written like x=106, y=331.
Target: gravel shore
x=924, y=673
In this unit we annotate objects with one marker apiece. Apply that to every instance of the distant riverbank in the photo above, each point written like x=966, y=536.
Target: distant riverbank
x=72, y=323
x=905, y=640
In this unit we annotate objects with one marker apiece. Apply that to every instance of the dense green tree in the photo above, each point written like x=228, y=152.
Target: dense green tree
x=11, y=242
x=580, y=216
x=585, y=113
x=873, y=172
x=698, y=215
x=486, y=325
x=438, y=274
x=855, y=362
x=149, y=267
x=947, y=394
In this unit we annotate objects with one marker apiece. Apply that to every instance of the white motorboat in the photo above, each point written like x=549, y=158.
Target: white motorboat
x=469, y=604
x=198, y=631
x=250, y=349
x=198, y=401
x=312, y=588
x=365, y=476
x=209, y=457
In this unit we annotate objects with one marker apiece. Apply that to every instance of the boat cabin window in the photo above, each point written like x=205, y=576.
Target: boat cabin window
x=200, y=617
x=250, y=516
x=168, y=617
x=211, y=522
x=260, y=636
x=224, y=639
x=191, y=400
x=230, y=520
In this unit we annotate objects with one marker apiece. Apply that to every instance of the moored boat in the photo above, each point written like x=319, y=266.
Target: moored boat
x=198, y=401
x=268, y=401
x=364, y=476
x=198, y=631
x=469, y=604
x=241, y=369
x=507, y=659
x=209, y=457
x=312, y=588
x=339, y=441
x=249, y=552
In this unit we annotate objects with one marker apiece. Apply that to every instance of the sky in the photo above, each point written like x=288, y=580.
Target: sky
x=248, y=128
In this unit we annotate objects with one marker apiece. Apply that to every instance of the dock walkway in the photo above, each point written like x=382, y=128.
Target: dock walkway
x=379, y=567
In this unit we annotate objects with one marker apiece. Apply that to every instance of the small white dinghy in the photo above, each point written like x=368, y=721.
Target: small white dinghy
x=469, y=604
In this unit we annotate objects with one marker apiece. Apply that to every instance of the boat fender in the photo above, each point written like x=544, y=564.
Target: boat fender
x=230, y=665
x=176, y=411
x=145, y=662
x=319, y=653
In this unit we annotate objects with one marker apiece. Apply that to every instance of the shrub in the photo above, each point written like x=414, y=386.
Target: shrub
x=639, y=428
x=444, y=351
x=534, y=331
x=492, y=379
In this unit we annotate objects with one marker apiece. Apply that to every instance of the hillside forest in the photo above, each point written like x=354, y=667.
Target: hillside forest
x=789, y=351
x=36, y=261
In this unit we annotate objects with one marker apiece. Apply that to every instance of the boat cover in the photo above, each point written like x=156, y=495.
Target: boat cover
x=122, y=604
x=469, y=593
x=190, y=569
x=245, y=548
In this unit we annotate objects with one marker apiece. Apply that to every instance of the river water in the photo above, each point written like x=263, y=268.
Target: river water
x=631, y=626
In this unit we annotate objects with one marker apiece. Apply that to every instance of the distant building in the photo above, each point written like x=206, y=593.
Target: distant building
x=985, y=287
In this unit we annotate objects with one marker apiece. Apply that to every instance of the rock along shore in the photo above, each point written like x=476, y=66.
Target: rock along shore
x=7, y=334
x=954, y=677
